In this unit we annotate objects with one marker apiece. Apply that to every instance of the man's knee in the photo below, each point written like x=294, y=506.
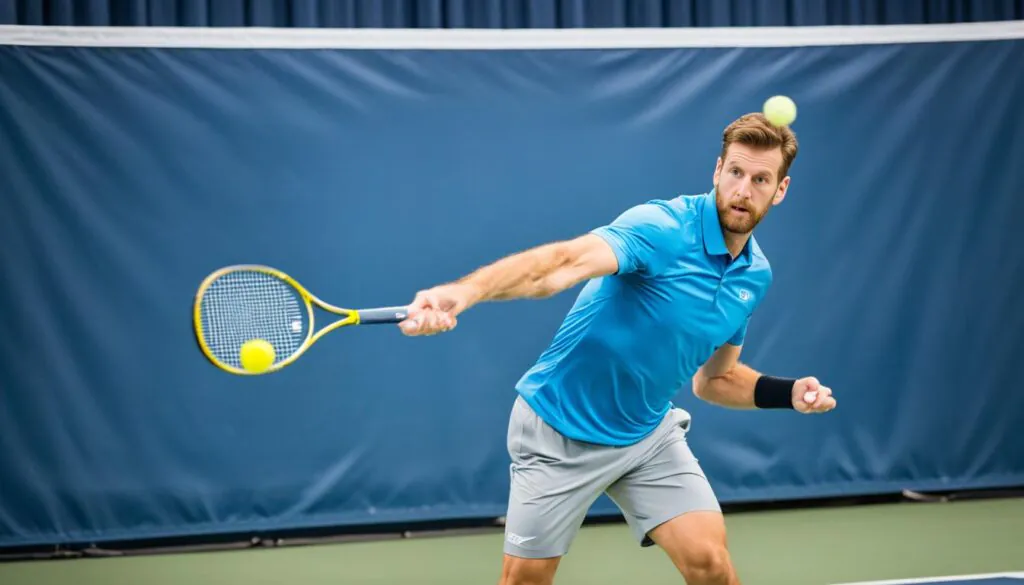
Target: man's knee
x=521, y=571
x=708, y=564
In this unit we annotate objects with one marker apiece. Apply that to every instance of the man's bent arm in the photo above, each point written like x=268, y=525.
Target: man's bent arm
x=724, y=381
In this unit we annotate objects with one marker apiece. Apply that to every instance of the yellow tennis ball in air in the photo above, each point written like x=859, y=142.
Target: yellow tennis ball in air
x=257, y=355
x=780, y=110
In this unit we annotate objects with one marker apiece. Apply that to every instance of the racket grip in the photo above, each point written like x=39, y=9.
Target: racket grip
x=383, y=315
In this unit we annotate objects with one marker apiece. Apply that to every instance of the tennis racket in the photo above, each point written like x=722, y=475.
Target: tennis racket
x=238, y=304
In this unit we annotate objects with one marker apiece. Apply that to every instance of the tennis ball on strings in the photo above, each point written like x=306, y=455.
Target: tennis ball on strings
x=257, y=355
x=780, y=110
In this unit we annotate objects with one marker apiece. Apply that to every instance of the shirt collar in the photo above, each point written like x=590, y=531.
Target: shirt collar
x=714, y=241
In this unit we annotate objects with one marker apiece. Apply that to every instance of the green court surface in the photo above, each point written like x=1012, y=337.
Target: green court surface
x=795, y=547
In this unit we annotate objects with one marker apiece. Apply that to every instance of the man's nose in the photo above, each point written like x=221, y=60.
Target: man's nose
x=743, y=189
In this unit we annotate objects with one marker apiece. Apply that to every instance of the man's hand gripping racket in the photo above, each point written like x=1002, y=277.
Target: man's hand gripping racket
x=436, y=310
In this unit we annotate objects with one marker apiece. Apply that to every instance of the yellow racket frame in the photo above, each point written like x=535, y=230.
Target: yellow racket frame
x=350, y=317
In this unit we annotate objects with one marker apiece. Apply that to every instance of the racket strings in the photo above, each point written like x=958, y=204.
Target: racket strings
x=246, y=305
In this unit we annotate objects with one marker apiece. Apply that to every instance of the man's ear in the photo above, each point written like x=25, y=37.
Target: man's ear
x=780, y=193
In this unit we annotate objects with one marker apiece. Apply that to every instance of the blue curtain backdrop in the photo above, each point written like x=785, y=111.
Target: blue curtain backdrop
x=501, y=13
x=126, y=175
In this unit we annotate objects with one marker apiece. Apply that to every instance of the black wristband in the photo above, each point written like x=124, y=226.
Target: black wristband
x=774, y=392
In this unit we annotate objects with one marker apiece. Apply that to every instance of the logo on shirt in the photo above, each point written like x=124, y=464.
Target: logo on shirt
x=745, y=295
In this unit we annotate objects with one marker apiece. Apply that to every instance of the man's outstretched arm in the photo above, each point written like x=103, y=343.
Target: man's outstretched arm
x=543, y=271
x=724, y=381
x=539, y=272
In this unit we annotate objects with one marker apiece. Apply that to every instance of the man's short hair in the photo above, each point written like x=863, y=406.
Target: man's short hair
x=755, y=131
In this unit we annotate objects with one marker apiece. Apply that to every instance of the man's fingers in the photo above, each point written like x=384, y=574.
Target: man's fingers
x=825, y=401
x=427, y=322
x=435, y=322
x=423, y=323
x=824, y=397
x=826, y=405
x=417, y=320
x=816, y=397
x=412, y=324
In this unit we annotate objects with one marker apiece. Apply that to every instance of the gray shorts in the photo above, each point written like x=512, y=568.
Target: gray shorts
x=555, y=480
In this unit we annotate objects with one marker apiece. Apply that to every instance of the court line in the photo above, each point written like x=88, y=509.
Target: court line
x=943, y=579
x=579, y=38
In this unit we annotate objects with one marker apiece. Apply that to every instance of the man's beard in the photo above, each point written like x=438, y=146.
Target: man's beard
x=738, y=224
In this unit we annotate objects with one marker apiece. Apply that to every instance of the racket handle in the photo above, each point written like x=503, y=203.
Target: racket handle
x=383, y=315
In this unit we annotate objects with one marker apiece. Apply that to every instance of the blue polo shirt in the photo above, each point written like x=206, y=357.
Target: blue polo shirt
x=634, y=339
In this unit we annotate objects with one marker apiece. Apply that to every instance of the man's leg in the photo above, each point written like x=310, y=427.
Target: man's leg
x=696, y=544
x=668, y=501
x=554, y=481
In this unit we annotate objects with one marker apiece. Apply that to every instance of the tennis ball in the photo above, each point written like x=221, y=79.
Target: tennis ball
x=780, y=110
x=257, y=355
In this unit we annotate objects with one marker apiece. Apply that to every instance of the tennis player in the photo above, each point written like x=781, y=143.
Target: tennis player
x=671, y=286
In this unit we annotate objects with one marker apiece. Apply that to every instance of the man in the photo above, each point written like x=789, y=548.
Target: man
x=672, y=286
